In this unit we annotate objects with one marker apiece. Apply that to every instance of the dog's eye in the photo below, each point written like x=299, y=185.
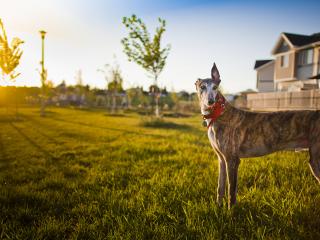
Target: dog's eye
x=215, y=87
x=203, y=87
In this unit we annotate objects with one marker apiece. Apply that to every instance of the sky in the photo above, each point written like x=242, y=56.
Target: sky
x=85, y=35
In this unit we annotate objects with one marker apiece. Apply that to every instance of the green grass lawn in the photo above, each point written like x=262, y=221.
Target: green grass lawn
x=80, y=174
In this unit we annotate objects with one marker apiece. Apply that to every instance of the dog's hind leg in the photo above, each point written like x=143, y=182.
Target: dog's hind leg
x=314, y=162
x=232, y=170
x=222, y=180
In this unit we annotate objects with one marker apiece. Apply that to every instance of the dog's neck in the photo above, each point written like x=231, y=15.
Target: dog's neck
x=213, y=113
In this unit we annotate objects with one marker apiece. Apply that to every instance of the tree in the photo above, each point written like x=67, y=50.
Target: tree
x=10, y=55
x=144, y=50
x=105, y=72
x=78, y=77
x=115, y=85
x=113, y=77
x=80, y=89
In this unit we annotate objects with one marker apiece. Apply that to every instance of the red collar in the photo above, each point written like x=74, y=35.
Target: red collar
x=216, y=110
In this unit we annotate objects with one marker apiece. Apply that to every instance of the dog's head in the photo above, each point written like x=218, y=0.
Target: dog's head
x=207, y=89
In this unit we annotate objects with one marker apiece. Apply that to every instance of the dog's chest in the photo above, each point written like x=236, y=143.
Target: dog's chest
x=222, y=138
x=212, y=138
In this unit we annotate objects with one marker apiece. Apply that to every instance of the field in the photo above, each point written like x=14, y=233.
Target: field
x=80, y=174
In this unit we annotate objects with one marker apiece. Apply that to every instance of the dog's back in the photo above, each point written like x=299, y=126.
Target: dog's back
x=255, y=134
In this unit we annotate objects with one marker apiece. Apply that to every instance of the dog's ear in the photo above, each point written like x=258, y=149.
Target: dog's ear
x=197, y=83
x=215, y=74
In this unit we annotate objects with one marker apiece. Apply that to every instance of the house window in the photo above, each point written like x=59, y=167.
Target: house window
x=305, y=57
x=284, y=61
x=309, y=56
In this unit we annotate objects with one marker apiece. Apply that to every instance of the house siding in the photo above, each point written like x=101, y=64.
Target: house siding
x=284, y=47
x=304, y=72
x=264, y=86
x=265, y=82
x=287, y=72
x=316, y=61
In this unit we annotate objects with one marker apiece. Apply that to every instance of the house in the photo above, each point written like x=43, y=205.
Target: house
x=265, y=75
x=295, y=67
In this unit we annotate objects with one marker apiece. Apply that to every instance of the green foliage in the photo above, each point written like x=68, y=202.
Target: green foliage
x=116, y=80
x=80, y=174
x=144, y=50
x=10, y=54
x=113, y=77
x=137, y=97
x=168, y=100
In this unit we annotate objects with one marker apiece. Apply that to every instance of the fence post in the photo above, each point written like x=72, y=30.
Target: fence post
x=285, y=102
x=317, y=96
x=311, y=98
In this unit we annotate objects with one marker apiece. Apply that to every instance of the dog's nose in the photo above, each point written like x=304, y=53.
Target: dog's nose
x=211, y=101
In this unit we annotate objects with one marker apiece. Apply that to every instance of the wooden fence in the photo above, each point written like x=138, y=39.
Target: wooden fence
x=273, y=101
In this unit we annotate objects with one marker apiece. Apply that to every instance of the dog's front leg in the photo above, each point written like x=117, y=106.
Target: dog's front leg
x=232, y=170
x=222, y=180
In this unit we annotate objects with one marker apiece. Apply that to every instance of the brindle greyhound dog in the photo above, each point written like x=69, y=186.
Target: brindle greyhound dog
x=235, y=134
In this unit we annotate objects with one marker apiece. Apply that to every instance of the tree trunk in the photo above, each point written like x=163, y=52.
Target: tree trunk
x=114, y=103
x=157, y=112
x=157, y=96
x=108, y=102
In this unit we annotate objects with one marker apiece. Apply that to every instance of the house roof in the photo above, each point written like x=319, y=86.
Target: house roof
x=296, y=40
x=260, y=63
x=301, y=40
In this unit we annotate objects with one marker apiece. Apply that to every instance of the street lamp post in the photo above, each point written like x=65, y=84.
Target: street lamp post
x=43, y=74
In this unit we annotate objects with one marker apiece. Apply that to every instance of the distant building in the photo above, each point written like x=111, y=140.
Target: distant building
x=296, y=65
x=65, y=95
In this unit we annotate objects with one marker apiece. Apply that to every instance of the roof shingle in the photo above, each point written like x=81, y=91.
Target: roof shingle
x=259, y=63
x=301, y=40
